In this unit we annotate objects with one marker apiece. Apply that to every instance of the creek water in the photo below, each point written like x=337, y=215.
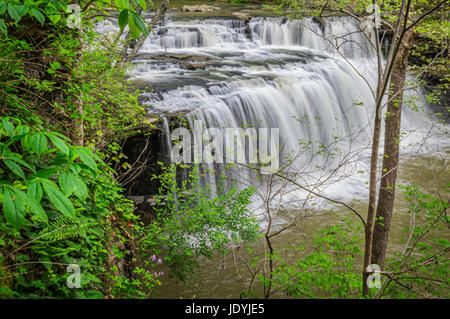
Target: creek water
x=271, y=72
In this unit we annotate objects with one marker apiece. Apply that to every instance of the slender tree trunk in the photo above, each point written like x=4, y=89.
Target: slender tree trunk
x=369, y=226
x=381, y=88
x=386, y=193
x=78, y=122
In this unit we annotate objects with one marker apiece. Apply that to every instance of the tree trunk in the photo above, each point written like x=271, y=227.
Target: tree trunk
x=381, y=87
x=78, y=122
x=369, y=227
x=386, y=193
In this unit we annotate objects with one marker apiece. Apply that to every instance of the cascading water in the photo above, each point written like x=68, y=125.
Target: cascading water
x=269, y=73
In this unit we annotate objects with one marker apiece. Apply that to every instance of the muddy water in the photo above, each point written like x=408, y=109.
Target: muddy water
x=227, y=276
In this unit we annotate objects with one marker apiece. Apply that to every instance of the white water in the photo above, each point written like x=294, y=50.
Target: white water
x=280, y=74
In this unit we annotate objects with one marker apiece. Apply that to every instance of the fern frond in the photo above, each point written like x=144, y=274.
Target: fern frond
x=63, y=227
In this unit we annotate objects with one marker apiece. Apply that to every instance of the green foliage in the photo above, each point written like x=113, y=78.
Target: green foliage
x=13, y=11
x=421, y=269
x=110, y=107
x=55, y=202
x=329, y=270
x=329, y=265
x=190, y=222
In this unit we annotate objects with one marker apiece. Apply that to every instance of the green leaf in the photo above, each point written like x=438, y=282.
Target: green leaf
x=22, y=10
x=80, y=188
x=55, y=65
x=59, y=143
x=8, y=127
x=13, y=13
x=54, y=18
x=140, y=23
x=14, y=216
x=38, y=15
x=71, y=183
x=34, y=206
x=15, y=168
x=143, y=4
x=38, y=143
x=86, y=157
x=134, y=31
x=46, y=172
x=61, y=202
x=35, y=190
x=66, y=183
x=122, y=4
x=3, y=7
x=123, y=19
x=20, y=161
x=3, y=27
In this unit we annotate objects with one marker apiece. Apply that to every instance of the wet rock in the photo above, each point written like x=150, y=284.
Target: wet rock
x=242, y=16
x=199, y=8
x=142, y=201
x=186, y=61
x=145, y=207
x=193, y=66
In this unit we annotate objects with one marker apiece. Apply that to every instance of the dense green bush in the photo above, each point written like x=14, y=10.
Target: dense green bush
x=56, y=198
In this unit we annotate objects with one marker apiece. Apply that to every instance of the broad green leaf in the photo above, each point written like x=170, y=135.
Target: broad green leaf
x=32, y=204
x=123, y=19
x=9, y=128
x=86, y=157
x=72, y=183
x=61, y=202
x=22, y=10
x=14, y=216
x=59, y=143
x=35, y=190
x=122, y=4
x=46, y=172
x=66, y=183
x=3, y=7
x=20, y=161
x=134, y=31
x=80, y=188
x=15, y=168
x=13, y=13
x=38, y=15
x=140, y=23
x=38, y=143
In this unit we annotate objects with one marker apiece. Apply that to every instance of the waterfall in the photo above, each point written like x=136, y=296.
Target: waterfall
x=270, y=73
